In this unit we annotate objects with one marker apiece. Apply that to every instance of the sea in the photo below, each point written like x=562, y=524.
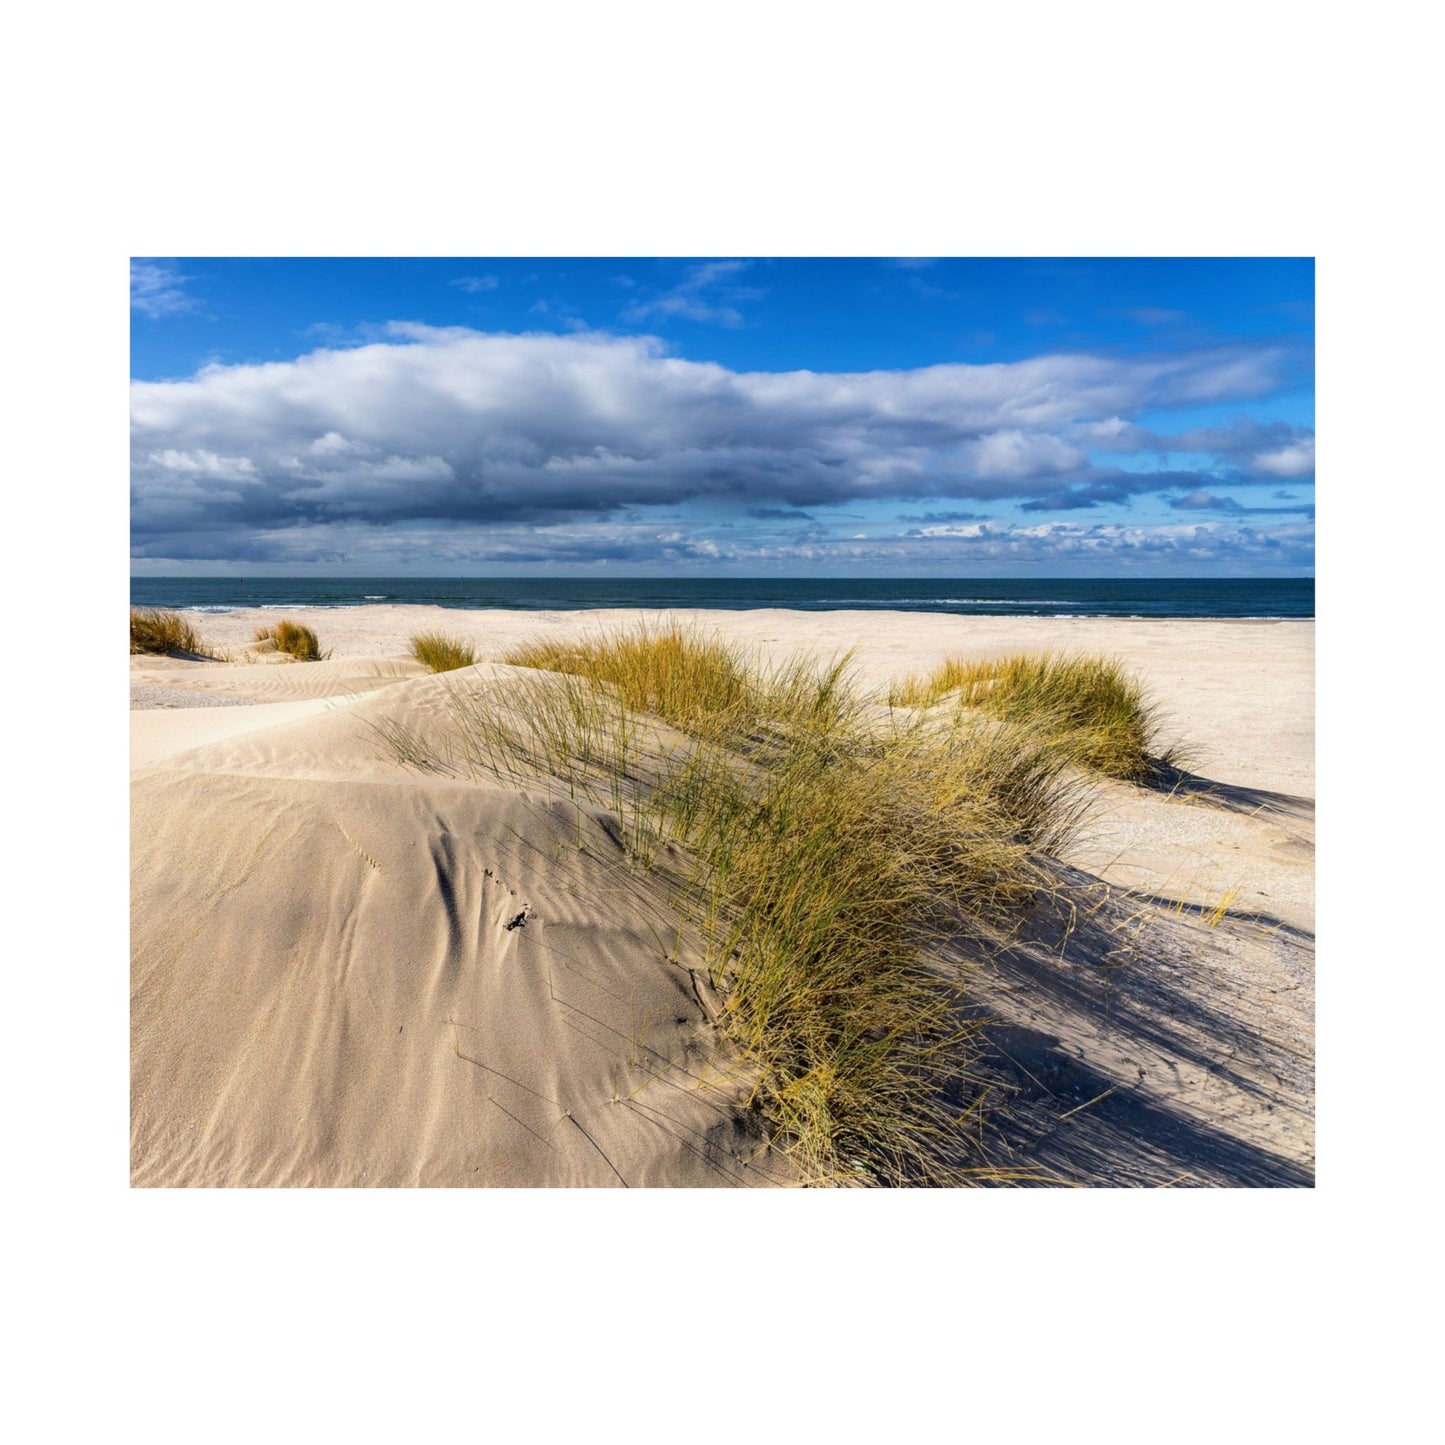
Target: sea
x=1267, y=597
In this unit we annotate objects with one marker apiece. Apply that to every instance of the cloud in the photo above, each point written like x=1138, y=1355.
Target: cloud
x=1111, y=487
x=1200, y=548
x=1239, y=438
x=1207, y=502
x=937, y=517
x=1101, y=486
x=1206, y=548
x=473, y=284
x=1295, y=460
x=157, y=289
x=1258, y=450
x=955, y=529
x=688, y=299
x=454, y=427
x=1014, y=454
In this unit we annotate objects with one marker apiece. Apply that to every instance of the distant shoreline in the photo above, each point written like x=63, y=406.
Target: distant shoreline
x=1243, y=598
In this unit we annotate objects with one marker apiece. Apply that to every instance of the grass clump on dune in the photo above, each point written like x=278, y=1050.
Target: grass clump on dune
x=700, y=684
x=155, y=630
x=819, y=848
x=1088, y=706
x=674, y=673
x=923, y=689
x=292, y=638
x=826, y=887
x=440, y=653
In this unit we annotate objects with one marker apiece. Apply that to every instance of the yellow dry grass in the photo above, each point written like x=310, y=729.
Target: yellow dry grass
x=440, y=653
x=156, y=630
x=1088, y=706
x=293, y=638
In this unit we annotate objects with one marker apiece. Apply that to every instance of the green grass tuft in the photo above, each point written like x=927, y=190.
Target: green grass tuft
x=292, y=638
x=441, y=653
x=154, y=630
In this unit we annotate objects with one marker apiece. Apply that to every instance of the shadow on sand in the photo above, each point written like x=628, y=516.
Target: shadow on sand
x=1126, y=1049
x=1191, y=787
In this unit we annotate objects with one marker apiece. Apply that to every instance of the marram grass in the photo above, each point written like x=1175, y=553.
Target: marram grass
x=155, y=630
x=818, y=845
x=440, y=653
x=1087, y=706
x=676, y=674
x=293, y=638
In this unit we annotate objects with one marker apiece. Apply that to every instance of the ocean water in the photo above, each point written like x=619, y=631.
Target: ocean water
x=1036, y=597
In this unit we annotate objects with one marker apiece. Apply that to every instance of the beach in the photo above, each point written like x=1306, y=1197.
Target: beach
x=350, y=970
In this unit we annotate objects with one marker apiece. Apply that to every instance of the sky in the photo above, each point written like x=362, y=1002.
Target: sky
x=722, y=417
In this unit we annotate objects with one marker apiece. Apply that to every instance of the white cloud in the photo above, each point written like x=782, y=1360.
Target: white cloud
x=157, y=289
x=965, y=529
x=200, y=462
x=458, y=427
x=1295, y=460
x=1111, y=429
x=689, y=299
x=1011, y=455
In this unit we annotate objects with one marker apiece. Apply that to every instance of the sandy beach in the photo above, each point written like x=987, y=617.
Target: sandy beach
x=350, y=972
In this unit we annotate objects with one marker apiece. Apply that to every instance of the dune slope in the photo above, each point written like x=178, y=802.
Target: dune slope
x=384, y=979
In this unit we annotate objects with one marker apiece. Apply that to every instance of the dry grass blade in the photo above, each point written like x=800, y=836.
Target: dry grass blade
x=293, y=639
x=155, y=630
x=440, y=653
x=677, y=674
x=1088, y=706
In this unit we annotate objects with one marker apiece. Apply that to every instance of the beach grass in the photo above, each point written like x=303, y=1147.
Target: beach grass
x=292, y=638
x=1088, y=706
x=675, y=673
x=156, y=630
x=440, y=653
x=818, y=845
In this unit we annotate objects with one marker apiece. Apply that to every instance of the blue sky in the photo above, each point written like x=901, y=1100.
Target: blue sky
x=723, y=416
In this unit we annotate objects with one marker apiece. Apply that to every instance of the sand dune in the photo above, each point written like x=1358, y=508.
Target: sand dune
x=391, y=981
x=347, y=972
x=162, y=734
